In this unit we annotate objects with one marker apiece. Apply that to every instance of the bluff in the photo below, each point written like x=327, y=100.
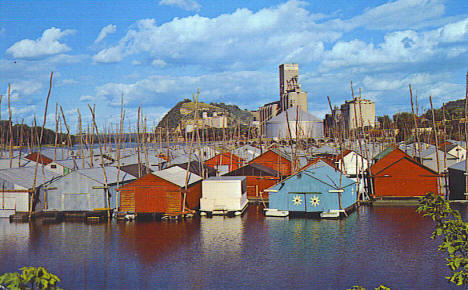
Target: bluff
x=185, y=110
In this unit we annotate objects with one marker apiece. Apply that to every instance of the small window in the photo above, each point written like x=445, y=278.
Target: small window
x=53, y=166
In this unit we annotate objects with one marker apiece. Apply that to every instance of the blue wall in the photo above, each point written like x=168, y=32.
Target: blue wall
x=308, y=191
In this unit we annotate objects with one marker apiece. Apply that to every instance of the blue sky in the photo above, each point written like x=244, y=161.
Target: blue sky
x=156, y=53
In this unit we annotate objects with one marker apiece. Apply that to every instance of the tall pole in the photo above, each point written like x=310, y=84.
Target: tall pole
x=466, y=137
x=39, y=146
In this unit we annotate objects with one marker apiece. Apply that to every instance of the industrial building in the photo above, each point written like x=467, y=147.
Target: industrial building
x=291, y=93
x=357, y=113
x=273, y=120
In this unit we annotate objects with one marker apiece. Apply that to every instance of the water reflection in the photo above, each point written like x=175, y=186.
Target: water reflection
x=152, y=242
x=374, y=245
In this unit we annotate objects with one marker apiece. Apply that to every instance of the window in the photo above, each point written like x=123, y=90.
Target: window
x=53, y=166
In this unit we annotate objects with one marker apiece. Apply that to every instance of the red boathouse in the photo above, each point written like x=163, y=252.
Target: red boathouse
x=397, y=174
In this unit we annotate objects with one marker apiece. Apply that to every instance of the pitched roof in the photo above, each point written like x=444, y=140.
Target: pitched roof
x=41, y=158
x=384, y=163
x=24, y=176
x=177, y=175
x=458, y=166
x=97, y=174
x=327, y=174
x=195, y=167
x=323, y=159
x=133, y=169
x=385, y=152
x=255, y=166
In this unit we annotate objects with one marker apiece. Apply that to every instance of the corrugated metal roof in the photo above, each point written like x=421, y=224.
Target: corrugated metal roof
x=97, y=174
x=325, y=149
x=327, y=174
x=458, y=166
x=384, y=153
x=24, y=176
x=177, y=176
x=133, y=159
x=74, y=164
x=219, y=178
x=184, y=159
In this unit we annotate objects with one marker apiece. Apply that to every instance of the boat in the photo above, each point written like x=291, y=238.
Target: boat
x=331, y=214
x=275, y=212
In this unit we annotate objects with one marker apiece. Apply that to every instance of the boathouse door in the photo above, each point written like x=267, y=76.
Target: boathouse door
x=296, y=202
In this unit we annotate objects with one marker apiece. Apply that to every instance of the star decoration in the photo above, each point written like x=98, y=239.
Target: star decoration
x=314, y=200
x=297, y=200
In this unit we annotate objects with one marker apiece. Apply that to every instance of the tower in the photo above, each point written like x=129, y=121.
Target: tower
x=291, y=93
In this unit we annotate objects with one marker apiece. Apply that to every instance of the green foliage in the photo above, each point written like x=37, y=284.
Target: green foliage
x=453, y=110
x=30, y=278
x=454, y=232
x=385, y=121
x=173, y=117
x=48, y=138
x=381, y=287
x=243, y=116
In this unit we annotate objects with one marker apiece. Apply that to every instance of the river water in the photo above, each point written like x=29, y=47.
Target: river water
x=374, y=245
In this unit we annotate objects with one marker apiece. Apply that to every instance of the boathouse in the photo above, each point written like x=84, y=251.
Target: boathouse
x=85, y=190
x=316, y=189
x=351, y=163
x=247, y=152
x=225, y=162
x=276, y=160
x=224, y=194
x=40, y=158
x=258, y=178
x=136, y=170
x=457, y=181
x=17, y=188
x=396, y=174
x=162, y=192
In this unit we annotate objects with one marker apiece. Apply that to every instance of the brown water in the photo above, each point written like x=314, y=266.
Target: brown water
x=374, y=245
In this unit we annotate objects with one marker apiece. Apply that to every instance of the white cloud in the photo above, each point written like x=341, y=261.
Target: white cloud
x=109, y=55
x=21, y=89
x=66, y=82
x=271, y=35
x=20, y=111
x=400, y=14
x=168, y=90
x=109, y=29
x=87, y=98
x=48, y=44
x=189, y=5
x=159, y=63
x=454, y=32
x=399, y=48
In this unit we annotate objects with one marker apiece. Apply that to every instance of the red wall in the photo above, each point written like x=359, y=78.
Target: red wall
x=262, y=182
x=151, y=194
x=274, y=161
x=404, y=178
x=226, y=158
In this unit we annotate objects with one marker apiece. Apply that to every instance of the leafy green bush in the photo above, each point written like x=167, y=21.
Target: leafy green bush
x=454, y=232
x=381, y=287
x=30, y=278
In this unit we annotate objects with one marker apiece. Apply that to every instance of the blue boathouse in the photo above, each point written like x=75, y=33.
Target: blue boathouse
x=318, y=188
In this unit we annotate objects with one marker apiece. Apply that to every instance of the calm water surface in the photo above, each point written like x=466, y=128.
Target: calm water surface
x=374, y=245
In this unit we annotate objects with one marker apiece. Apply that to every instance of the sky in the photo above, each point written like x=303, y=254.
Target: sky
x=157, y=53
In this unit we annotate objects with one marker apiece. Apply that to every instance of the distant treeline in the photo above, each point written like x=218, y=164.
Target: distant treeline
x=28, y=135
